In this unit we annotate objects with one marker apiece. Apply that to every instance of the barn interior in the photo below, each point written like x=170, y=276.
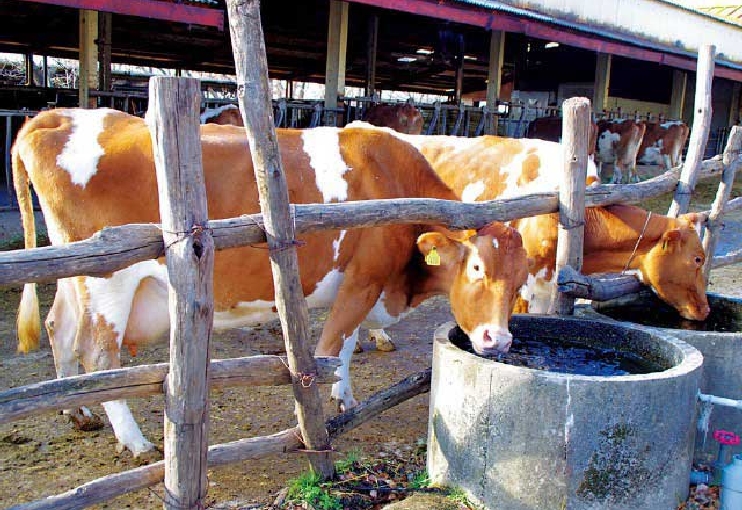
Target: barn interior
x=413, y=52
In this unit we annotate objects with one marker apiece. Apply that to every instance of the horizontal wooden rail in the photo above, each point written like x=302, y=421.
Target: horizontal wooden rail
x=289, y=440
x=141, y=381
x=115, y=248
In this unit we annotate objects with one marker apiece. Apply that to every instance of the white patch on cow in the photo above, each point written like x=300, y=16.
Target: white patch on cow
x=80, y=155
x=245, y=313
x=474, y=266
x=322, y=145
x=111, y=298
x=126, y=428
x=538, y=291
x=651, y=156
x=472, y=191
x=551, y=161
x=379, y=317
x=342, y=390
x=250, y=313
x=336, y=245
x=495, y=243
x=671, y=123
x=326, y=290
x=606, y=144
x=214, y=112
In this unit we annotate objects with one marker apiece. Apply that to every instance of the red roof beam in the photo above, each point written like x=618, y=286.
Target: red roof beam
x=154, y=9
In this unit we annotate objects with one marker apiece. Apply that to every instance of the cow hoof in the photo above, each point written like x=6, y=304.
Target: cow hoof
x=346, y=405
x=383, y=341
x=139, y=449
x=85, y=421
x=385, y=345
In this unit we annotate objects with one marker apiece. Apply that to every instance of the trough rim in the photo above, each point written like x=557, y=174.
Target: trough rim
x=692, y=358
x=589, y=310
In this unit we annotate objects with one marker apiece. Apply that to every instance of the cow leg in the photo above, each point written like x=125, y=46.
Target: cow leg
x=114, y=304
x=340, y=334
x=62, y=325
x=617, y=174
x=383, y=341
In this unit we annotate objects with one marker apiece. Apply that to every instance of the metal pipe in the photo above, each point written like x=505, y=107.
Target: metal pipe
x=721, y=401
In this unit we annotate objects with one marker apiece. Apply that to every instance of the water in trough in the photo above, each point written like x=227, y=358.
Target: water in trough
x=569, y=356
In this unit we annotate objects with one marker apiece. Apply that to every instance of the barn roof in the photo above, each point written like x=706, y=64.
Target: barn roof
x=193, y=35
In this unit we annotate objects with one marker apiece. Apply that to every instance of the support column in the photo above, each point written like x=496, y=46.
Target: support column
x=373, y=36
x=29, y=70
x=337, y=41
x=734, y=107
x=677, y=100
x=602, y=81
x=494, y=78
x=88, y=57
x=105, y=31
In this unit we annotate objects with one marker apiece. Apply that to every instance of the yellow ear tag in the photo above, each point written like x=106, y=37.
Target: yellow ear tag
x=432, y=258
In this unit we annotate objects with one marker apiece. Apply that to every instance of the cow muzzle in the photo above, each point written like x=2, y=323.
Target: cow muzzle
x=488, y=340
x=696, y=312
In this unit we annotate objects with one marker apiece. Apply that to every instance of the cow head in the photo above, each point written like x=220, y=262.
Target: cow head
x=484, y=271
x=673, y=267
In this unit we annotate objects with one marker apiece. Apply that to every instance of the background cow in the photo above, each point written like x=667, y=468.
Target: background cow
x=663, y=142
x=94, y=168
x=403, y=117
x=669, y=257
x=618, y=143
x=228, y=114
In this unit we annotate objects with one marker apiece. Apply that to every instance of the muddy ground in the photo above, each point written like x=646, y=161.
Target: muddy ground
x=44, y=455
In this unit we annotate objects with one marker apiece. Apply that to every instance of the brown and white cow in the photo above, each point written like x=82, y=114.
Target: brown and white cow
x=668, y=258
x=228, y=114
x=404, y=118
x=663, y=141
x=618, y=143
x=94, y=168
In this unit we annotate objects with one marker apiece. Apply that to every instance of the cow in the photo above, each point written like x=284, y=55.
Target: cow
x=95, y=168
x=618, y=143
x=225, y=114
x=665, y=253
x=404, y=118
x=663, y=142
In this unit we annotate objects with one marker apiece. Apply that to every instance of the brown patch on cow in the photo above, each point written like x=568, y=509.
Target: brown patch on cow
x=531, y=167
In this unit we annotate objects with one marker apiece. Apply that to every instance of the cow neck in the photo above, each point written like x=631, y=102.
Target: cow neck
x=427, y=281
x=620, y=237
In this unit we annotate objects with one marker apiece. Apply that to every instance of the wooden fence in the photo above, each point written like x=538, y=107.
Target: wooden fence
x=183, y=207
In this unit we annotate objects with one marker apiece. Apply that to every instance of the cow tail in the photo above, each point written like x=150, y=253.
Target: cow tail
x=29, y=318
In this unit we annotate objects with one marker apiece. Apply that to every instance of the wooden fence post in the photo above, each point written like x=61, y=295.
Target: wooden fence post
x=732, y=162
x=699, y=134
x=575, y=135
x=189, y=251
x=254, y=97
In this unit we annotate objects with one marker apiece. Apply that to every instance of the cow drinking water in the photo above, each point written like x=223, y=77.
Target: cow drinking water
x=95, y=168
x=668, y=256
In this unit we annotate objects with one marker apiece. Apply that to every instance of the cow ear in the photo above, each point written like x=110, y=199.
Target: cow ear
x=437, y=248
x=671, y=239
x=695, y=220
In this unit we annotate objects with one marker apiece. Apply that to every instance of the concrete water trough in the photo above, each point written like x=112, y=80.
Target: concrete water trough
x=522, y=438
x=719, y=338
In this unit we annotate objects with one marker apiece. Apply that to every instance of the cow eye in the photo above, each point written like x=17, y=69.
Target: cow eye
x=476, y=267
x=699, y=261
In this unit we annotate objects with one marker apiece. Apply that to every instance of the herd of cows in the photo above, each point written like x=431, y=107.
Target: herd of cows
x=95, y=168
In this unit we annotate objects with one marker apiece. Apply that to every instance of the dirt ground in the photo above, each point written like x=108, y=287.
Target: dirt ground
x=44, y=455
